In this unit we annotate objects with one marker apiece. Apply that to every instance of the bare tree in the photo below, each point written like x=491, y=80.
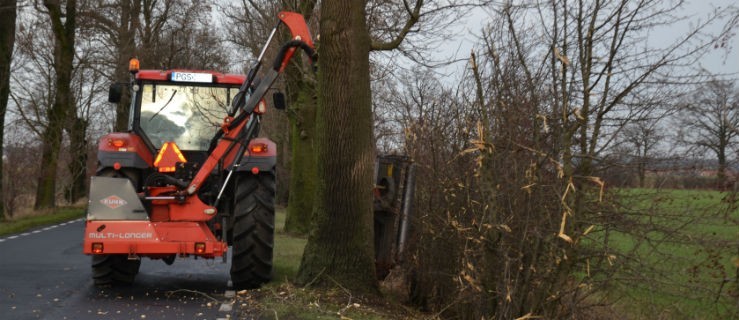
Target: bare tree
x=643, y=139
x=18, y=195
x=340, y=247
x=549, y=97
x=179, y=34
x=711, y=120
x=117, y=21
x=63, y=23
x=170, y=34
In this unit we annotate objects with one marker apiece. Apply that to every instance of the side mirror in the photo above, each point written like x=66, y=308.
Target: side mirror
x=278, y=99
x=114, y=92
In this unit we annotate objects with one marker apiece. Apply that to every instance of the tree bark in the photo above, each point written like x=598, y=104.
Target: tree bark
x=303, y=167
x=78, y=145
x=7, y=41
x=63, y=30
x=339, y=249
x=302, y=117
x=130, y=11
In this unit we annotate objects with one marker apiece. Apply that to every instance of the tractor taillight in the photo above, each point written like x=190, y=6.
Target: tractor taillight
x=167, y=169
x=118, y=143
x=97, y=247
x=199, y=247
x=258, y=148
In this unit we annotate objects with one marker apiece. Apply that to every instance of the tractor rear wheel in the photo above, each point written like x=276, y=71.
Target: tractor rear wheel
x=253, y=230
x=114, y=269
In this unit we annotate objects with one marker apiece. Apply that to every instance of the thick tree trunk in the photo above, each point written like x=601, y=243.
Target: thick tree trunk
x=63, y=31
x=7, y=41
x=303, y=167
x=302, y=113
x=46, y=188
x=340, y=248
x=78, y=160
x=130, y=11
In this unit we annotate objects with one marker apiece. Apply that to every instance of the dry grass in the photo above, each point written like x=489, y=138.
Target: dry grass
x=282, y=299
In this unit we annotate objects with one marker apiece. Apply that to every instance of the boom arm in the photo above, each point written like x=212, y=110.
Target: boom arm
x=234, y=132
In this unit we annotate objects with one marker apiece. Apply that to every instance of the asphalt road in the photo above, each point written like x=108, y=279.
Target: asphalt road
x=44, y=275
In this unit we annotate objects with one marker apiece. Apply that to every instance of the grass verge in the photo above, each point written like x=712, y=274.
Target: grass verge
x=282, y=299
x=30, y=222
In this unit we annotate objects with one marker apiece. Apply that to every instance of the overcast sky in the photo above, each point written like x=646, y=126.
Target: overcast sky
x=718, y=61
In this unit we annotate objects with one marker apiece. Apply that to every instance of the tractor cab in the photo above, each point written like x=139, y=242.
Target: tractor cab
x=183, y=107
x=183, y=113
x=173, y=119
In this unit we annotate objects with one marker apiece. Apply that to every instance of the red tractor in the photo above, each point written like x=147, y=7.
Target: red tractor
x=190, y=178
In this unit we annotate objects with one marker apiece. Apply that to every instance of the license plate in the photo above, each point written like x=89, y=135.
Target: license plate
x=192, y=77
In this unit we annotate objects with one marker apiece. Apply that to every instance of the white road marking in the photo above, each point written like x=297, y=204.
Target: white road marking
x=229, y=294
x=226, y=307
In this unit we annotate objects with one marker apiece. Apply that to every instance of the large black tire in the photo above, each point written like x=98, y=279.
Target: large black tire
x=114, y=269
x=253, y=230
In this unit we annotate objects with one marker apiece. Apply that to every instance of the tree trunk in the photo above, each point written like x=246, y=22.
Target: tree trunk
x=78, y=159
x=302, y=115
x=63, y=102
x=7, y=41
x=52, y=139
x=340, y=246
x=303, y=168
x=126, y=50
x=721, y=170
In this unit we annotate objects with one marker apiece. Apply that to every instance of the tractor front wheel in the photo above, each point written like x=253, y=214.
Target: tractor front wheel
x=253, y=230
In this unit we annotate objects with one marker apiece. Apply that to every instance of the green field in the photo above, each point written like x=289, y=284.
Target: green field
x=674, y=255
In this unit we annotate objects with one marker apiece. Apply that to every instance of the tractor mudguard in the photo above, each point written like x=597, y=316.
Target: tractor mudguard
x=126, y=149
x=264, y=161
x=263, y=164
x=107, y=159
x=114, y=199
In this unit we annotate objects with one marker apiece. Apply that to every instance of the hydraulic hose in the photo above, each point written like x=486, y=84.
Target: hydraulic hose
x=294, y=44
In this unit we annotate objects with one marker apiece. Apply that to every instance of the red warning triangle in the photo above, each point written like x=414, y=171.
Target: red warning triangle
x=168, y=157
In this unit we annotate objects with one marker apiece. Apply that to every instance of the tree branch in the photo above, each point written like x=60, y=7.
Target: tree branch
x=414, y=15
